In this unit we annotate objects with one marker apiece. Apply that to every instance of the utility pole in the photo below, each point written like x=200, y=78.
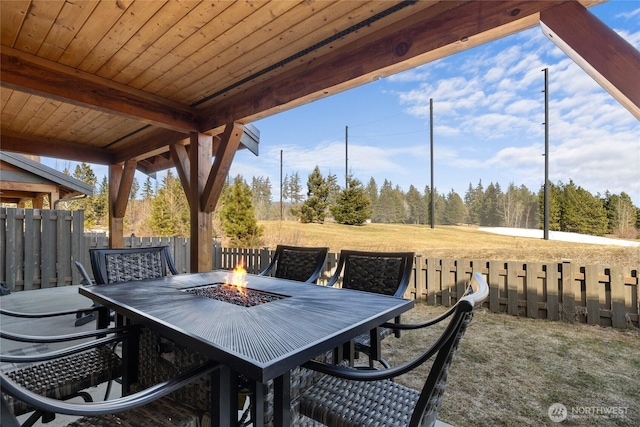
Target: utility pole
x=346, y=157
x=281, y=206
x=546, y=154
x=433, y=200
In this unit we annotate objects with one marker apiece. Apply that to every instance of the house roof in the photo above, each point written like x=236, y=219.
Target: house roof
x=23, y=178
x=109, y=81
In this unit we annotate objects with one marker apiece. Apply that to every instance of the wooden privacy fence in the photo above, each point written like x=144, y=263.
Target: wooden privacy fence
x=38, y=247
x=594, y=294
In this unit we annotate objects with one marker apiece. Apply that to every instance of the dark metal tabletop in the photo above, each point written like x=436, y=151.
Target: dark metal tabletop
x=263, y=341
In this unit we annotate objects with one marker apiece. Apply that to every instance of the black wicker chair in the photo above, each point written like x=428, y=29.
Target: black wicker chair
x=304, y=264
x=61, y=374
x=380, y=272
x=123, y=265
x=349, y=397
x=126, y=264
x=146, y=408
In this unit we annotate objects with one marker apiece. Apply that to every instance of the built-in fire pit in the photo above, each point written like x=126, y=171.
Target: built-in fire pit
x=242, y=296
x=234, y=290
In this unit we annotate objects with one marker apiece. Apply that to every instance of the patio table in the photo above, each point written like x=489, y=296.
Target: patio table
x=262, y=342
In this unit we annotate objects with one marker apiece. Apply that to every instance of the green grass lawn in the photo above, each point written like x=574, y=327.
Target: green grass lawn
x=509, y=370
x=455, y=242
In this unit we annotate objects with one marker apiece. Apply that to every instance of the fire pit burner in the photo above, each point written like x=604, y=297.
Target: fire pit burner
x=244, y=297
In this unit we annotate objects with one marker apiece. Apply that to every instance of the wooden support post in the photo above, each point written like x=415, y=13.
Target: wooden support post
x=200, y=151
x=120, y=181
x=116, y=225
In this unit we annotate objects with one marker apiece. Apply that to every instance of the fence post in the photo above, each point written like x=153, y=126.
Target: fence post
x=531, y=281
x=78, y=244
x=551, y=278
x=217, y=254
x=29, y=248
x=418, y=283
x=618, y=307
x=11, y=255
x=494, y=286
x=430, y=284
x=568, y=295
x=592, y=285
x=512, y=288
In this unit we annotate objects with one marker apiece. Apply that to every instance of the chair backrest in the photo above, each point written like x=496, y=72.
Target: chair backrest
x=126, y=264
x=431, y=396
x=380, y=272
x=304, y=264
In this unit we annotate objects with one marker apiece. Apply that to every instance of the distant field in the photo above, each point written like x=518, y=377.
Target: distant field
x=444, y=242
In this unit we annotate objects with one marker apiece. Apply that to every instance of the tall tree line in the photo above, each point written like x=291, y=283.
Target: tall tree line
x=160, y=208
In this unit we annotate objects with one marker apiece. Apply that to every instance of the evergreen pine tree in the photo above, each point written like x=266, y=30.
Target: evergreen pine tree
x=314, y=209
x=237, y=215
x=101, y=203
x=417, y=209
x=474, y=200
x=454, y=209
x=84, y=173
x=170, y=211
x=352, y=206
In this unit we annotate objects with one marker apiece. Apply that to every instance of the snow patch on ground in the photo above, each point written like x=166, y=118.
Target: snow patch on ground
x=558, y=235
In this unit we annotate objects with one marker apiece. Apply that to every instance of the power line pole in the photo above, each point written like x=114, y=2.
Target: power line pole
x=546, y=154
x=433, y=200
x=346, y=157
x=281, y=188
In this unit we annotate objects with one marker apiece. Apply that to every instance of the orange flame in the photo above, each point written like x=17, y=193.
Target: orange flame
x=238, y=277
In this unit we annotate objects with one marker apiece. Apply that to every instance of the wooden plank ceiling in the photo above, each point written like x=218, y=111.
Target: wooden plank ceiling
x=114, y=80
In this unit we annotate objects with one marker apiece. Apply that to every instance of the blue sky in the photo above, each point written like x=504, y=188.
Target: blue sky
x=488, y=115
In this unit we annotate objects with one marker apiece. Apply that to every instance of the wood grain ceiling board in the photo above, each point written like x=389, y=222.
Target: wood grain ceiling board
x=15, y=100
x=136, y=16
x=40, y=18
x=301, y=27
x=71, y=18
x=187, y=59
x=144, y=37
x=102, y=19
x=187, y=37
x=232, y=54
x=11, y=19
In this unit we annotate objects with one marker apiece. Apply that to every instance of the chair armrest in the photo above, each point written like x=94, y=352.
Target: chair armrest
x=110, y=406
x=84, y=274
x=63, y=338
x=47, y=314
x=41, y=357
x=357, y=374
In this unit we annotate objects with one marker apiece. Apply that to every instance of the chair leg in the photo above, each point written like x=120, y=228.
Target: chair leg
x=85, y=318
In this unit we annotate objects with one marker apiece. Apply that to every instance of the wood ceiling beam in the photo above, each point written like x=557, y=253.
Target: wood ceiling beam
x=141, y=147
x=608, y=58
x=418, y=39
x=37, y=76
x=54, y=148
